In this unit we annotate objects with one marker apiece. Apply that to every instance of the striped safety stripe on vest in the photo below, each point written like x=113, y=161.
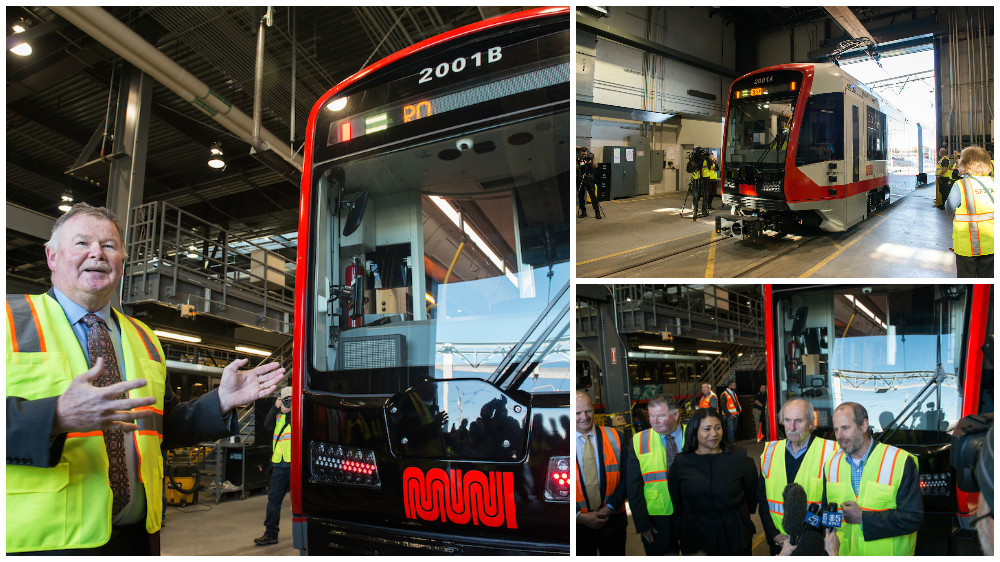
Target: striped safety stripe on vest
x=655, y=476
x=611, y=447
x=890, y=456
x=970, y=214
x=771, y=448
x=23, y=319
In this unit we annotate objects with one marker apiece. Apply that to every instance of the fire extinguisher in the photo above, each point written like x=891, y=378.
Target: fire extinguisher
x=352, y=273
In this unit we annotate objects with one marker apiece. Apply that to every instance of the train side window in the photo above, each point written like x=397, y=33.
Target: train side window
x=821, y=138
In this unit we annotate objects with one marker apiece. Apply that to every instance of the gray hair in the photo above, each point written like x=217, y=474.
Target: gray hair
x=974, y=161
x=87, y=210
x=810, y=411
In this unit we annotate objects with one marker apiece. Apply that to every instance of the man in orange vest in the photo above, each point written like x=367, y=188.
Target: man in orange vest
x=600, y=487
x=733, y=410
x=708, y=398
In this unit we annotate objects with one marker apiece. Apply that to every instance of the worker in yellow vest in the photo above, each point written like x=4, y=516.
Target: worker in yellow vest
x=876, y=486
x=89, y=406
x=708, y=399
x=652, y=453
x=971, y=200
x=800, y=457
x=943, y=181
x=279, y=420
x=713, y=180
x=600, y=489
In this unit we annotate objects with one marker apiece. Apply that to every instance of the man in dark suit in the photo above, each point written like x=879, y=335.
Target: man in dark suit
x=89, y=405
x=600, y=485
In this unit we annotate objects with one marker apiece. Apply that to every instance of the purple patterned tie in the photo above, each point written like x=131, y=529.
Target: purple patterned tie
x=99, y=344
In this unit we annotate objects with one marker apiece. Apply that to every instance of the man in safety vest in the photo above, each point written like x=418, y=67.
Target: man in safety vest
x=89, y=405
x=652, y=453
x=800, y=457
x=943, y=175
x=708, y=398
x=733, y=410
x=971, y=200
x=876, y=485
x=600, y=486
x=278, y=420
x=712, y=185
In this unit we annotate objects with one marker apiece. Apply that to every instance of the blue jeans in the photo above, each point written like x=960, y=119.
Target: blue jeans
x=731, y=426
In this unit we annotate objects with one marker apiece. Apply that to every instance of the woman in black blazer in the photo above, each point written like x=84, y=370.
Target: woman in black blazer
x=712, y=486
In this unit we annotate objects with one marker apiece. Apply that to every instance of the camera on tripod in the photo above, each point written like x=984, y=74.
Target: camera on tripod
x=586, y=158
x=696, y=159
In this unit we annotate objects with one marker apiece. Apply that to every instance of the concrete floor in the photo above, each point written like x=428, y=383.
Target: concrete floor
x=633, y=542
x=909, y=239
x=224, y=529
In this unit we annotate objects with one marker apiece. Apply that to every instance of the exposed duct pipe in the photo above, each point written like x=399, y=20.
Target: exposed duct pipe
x=113, y=34
x=258, y=81
x=968, y=64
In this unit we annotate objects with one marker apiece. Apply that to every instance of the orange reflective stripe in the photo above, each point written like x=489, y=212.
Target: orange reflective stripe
x=34, y=315
x=151, y=408
x=10, y=325
x=87, y=434
x=150, y=432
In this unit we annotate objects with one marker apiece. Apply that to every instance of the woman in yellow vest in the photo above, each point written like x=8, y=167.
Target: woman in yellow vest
x=943, y=178
x=279, y=418
x=712, y=484
x=971, y=200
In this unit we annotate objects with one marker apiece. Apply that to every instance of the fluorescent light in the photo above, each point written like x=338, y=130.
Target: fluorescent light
x=252, y=351
x=709, y=352
x=656, y=348
x=179, y=337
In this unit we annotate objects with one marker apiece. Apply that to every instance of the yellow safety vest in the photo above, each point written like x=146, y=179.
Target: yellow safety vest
x=972, y=231
x=281, y=446
x=69, y=505
x=809, y=476
x=653, y=464
x=702, y=173
x=880, y=481
x=943, y=167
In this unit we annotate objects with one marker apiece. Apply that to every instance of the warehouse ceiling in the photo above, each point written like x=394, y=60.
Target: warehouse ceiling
x=65, y=92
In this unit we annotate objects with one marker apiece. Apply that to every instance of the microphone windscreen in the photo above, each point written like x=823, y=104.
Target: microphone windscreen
x=794, y=522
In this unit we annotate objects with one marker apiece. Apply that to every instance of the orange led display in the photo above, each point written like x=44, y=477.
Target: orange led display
x=416, y=111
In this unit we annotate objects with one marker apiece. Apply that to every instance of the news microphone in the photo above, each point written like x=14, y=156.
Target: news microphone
x=832, y=516
x=813, y=516
x=794, y=521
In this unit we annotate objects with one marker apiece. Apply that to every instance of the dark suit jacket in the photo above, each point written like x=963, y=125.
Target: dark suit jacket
x=29, y=426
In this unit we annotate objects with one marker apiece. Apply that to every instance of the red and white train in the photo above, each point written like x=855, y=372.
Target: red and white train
x=808, y=144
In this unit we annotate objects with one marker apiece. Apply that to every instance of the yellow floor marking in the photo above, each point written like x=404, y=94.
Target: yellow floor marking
x=637, y=249
x=710, y=269
x=840, y=250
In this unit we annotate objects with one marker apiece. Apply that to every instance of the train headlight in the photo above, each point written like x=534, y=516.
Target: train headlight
x=339, y=464
x=771, y=186
x=557, y=481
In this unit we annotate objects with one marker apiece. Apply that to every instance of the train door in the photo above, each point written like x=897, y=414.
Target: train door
x=853, y=208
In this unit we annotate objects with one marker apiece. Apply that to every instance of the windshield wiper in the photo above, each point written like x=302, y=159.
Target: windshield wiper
x=506, y=368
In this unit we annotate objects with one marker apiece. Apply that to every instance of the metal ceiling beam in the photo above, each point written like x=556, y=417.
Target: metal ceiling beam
x=606, y=31
x=29, y=222
x=113, y=34
x=849, y=22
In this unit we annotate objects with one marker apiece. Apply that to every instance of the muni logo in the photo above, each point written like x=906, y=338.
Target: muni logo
x=469, y=498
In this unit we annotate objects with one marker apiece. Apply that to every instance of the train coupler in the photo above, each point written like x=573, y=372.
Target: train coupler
x=739, y=227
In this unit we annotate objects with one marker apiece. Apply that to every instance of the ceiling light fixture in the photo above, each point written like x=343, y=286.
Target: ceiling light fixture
x=67, y=201
x=216, y=159
x=178, y=337
x=21, y=49
x=252, y=351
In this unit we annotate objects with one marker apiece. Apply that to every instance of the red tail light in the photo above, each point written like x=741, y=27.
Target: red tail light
x=558, y=481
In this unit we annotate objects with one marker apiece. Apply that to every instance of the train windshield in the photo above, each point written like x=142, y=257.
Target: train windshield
x=895, y=350
x=441, y=241
x=759, y=119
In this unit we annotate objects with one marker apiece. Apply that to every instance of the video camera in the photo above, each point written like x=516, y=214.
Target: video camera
x=287, y=401
x=972, y=455
x=585, y=158
x=696, y=158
